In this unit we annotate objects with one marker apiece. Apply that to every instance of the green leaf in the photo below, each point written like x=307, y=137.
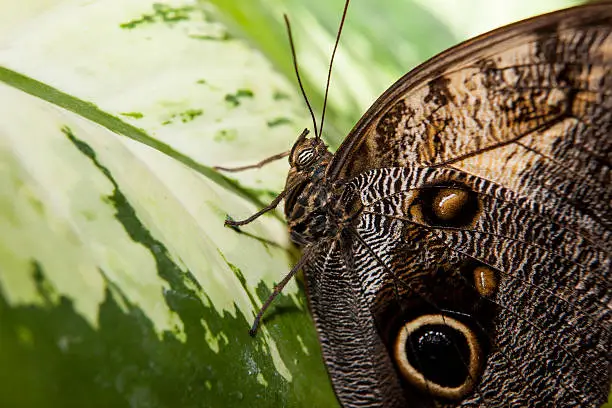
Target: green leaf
x=119, y=285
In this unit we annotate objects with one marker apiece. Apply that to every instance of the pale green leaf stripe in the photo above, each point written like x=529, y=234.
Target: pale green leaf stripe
x=90, y=111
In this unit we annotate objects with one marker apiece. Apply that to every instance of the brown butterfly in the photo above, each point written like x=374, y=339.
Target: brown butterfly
x=457, y=246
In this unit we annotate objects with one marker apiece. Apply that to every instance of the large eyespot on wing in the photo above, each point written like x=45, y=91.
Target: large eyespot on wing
x=526, y=113
x=439, y=355
x=549, y=285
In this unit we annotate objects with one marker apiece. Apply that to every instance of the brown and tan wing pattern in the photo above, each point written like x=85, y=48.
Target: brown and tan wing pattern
x=484, y=185
x=528, y=107
x=361, y=370
x=547, y=323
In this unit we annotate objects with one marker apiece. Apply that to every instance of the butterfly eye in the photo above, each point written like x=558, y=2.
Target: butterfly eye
x=305, y=157
x=439, y=355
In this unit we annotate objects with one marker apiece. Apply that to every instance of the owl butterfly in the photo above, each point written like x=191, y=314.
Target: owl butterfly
x=456, y=247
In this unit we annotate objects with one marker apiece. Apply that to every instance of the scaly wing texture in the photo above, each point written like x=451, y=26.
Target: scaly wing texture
x=522, y=119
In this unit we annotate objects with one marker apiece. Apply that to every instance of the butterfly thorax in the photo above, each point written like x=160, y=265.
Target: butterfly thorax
x=313, y=204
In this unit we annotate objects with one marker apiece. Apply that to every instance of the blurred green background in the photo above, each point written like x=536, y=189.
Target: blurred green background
x=382, y=40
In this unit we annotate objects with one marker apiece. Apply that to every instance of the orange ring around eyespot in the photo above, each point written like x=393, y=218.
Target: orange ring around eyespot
x=417, y=379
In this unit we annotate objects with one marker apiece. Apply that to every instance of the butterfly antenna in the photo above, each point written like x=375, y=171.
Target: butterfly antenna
x=297, y=74
x=331, y=61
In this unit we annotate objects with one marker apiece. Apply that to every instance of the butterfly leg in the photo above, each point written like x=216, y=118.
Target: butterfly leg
x=231, y=223
x=277, y=290
x=253, y=166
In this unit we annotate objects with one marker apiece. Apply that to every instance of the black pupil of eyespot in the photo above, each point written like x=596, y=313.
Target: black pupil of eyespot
x=440, y=353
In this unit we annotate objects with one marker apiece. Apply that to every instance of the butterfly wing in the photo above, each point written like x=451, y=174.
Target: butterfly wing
x=490, y=162
x=354, y=355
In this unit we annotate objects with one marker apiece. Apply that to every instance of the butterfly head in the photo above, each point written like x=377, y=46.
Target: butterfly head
x=307, y=153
